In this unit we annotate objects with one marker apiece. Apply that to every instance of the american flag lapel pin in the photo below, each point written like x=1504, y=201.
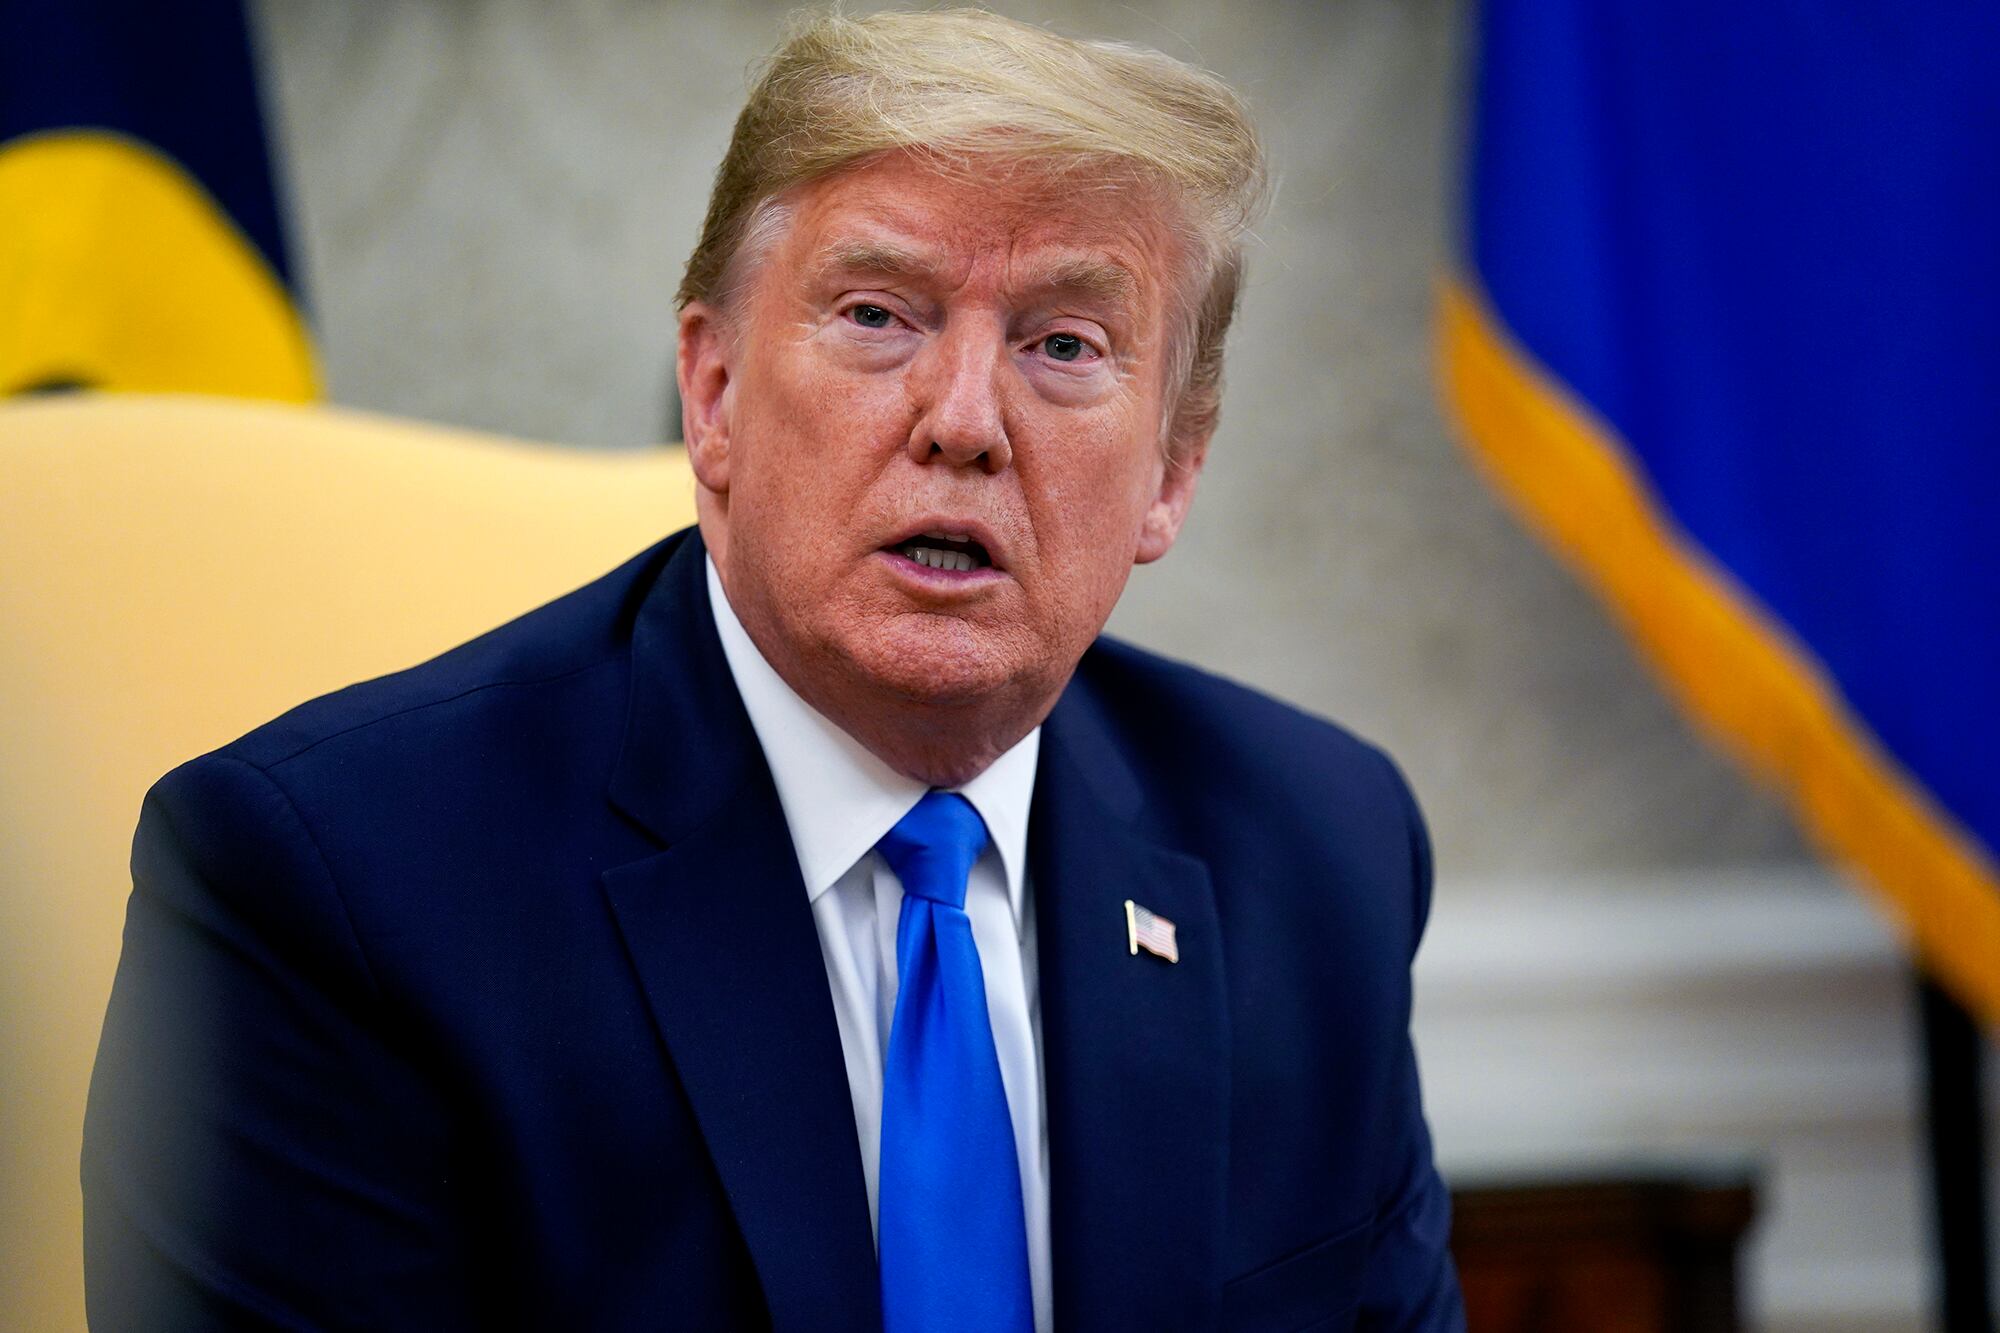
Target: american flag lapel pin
x=1150, y=931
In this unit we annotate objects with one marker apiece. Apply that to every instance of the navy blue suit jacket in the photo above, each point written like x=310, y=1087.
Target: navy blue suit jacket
x=488, y=995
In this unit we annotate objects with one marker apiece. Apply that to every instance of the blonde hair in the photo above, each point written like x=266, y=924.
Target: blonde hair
x=964, y=84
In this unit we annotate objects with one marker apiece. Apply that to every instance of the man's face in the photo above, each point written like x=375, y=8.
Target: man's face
x=931, y=429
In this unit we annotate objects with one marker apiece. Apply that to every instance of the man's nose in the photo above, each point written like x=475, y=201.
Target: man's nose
x=962, y=421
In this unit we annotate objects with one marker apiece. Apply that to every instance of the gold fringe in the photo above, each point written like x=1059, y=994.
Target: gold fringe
x=1743, y=678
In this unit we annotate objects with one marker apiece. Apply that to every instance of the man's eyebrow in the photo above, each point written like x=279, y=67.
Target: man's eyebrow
x=1085, y=275
x=875, y=257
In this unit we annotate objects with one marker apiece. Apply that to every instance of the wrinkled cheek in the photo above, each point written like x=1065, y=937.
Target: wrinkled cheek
x=818, y=399
x=1104, y=511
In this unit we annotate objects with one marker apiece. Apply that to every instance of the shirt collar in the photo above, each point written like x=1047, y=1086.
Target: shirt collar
x=838, y=798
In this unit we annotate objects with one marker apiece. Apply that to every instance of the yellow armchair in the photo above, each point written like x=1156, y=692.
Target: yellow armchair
x=174, y=571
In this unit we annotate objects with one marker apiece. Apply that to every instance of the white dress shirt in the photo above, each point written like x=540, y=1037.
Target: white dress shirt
x=839, y=800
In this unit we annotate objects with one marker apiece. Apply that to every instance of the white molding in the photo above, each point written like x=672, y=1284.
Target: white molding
x=1757, y=1014
x=1497, y=938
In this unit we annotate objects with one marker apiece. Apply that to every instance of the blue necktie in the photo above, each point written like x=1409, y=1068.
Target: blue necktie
x=951, y=1231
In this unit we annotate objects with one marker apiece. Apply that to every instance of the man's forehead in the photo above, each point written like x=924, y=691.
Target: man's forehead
x=901, y=215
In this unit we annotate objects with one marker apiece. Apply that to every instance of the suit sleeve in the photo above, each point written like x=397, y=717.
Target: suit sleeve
x=1411, y=1283
x=259, y=1151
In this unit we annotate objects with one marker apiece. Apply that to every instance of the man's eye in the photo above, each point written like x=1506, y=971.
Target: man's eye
x=1064, y=346
x=871, y=316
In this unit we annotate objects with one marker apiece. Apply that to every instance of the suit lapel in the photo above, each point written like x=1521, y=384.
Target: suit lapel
x=1136, y=1049
x=722, y=937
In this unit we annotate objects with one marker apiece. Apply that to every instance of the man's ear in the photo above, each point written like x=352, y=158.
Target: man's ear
x=1170, y=507
x=703, y=365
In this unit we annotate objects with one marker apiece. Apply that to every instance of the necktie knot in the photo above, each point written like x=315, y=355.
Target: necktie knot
x=932, y=848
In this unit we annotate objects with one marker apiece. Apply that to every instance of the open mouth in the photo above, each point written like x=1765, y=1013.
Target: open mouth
x=941, y=550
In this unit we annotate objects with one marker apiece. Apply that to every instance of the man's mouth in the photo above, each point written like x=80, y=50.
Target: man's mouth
x=943, y=550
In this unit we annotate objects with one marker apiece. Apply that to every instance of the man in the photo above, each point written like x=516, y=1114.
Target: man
x=812, y=924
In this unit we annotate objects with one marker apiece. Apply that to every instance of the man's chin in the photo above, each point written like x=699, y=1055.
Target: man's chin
x=943, y=684
x=945, y=665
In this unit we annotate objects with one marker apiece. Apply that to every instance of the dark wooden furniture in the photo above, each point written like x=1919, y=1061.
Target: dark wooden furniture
x=1648, y=1251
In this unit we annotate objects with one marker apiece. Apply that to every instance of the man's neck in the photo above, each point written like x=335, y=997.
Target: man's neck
x=940, y=743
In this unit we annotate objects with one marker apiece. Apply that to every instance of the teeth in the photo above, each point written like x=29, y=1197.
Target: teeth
x=933, y=558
